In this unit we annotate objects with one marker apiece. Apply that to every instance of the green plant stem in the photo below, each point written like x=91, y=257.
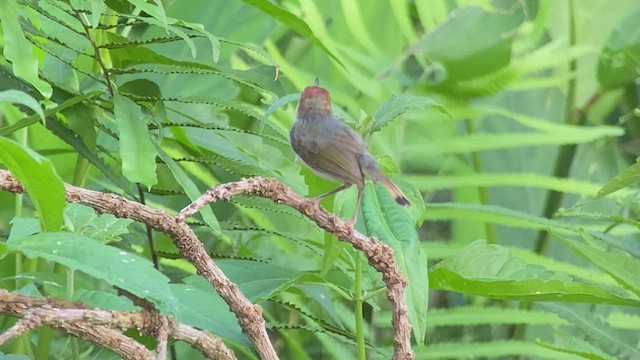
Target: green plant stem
x=358, y=301
x=482, y=191
x=75, y=349
x=567, y=152
x=149, y=231
x=564, y=159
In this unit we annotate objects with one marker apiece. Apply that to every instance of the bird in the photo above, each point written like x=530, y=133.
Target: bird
x=333, y=150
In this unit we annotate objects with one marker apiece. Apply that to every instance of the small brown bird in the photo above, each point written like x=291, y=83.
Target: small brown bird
x=333, y=150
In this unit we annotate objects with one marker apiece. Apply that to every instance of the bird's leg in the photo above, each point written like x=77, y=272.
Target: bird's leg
x=314, y=202
x=353, y=219
x=322, y=196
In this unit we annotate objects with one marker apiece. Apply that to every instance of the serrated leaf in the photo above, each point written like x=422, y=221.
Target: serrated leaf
x=76, y=142
x=628, y=176
x=205, y=309
x=597, y=331
x=492, y=271
x=621, y=267
x=482, y=142
x=136, y=149
x=390, y=223
x=48, y=112
x=103, y=262
x=397, y=105
x=484, y=42
x=20, y=97
x=293, y=22
x=17, y=49
x=40, y=181
x=192, y=192
x=619, y=63
x=105, y=228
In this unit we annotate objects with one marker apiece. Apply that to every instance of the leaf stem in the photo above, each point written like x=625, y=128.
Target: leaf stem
x=482, y=191
x=358, y=301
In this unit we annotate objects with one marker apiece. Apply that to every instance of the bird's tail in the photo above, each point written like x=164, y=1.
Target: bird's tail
x=393, y=189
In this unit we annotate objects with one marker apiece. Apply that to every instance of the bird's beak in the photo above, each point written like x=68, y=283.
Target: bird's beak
x=316, y=83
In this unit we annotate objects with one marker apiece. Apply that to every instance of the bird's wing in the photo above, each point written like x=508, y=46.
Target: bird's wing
x=335, y=154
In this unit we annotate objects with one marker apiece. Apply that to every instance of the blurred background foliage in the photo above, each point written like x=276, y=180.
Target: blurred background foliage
x=516, y=121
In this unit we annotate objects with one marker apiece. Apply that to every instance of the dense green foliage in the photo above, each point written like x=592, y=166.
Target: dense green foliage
x=512, y=126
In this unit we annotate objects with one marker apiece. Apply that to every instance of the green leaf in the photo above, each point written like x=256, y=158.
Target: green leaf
x=105, y=228
x=492, y=214
x=529, y=180
x=491, y=350
x=483, y=42
x=114, y=266
x=621, y=267
x=573, y=345
x=597, y=331
x=40, y=181
x=293, y=22
x=628, y=176
x=192, y=192
x=20, y=97
x=397, y=105
x=205, y=309
x=48, y=112
x=390, y=223
x=258, y=281
x=492, y=271
x=68, y=136
x=18, y=50
x=481, y=142
x=619, y=62
x=136, y=149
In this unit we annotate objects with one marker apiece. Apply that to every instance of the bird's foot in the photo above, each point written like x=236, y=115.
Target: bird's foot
x=310, y=206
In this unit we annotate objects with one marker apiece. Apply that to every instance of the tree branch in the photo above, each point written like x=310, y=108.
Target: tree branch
x=103, y=327
x=379, y=255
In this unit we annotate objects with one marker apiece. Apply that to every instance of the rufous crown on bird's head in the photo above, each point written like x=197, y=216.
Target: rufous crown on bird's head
x=314, y=99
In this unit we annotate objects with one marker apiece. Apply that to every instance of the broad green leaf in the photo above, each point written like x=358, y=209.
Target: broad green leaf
x=597, y=332
x=20, y=97
x=492, y=271
x=628, y=176
x=40, y=180
x=258, y=281
x=104, y=300
x=136, y=149
x=293, y=22
x=391, y=224
x=619, y=62
x=397, y=105
x=203, y=308
x=22, y=227
x=105, y=228
x=621, y=267
x=483, y=42
x=18, y=50
x=116, y=267
x=192, y=192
